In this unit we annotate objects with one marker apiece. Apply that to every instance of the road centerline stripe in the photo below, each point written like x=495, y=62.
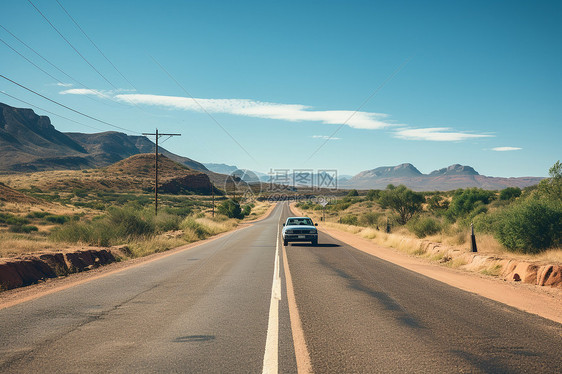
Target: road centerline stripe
x=271, y=355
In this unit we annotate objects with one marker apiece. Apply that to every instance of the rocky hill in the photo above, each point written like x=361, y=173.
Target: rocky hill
x=29, y=142
x=133, y=174
x=445, y=179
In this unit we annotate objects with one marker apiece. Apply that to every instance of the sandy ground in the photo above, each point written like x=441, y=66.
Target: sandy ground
x=543, y=301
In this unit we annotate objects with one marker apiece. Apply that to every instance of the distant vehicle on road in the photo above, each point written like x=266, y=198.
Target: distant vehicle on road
x=299, y=229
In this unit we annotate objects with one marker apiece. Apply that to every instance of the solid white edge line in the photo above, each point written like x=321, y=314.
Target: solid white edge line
x=271, y=356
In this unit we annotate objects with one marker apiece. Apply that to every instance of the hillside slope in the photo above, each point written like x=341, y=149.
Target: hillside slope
x=29, y=142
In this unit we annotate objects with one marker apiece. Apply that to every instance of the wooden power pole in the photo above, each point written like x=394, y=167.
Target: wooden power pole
x=157, y=135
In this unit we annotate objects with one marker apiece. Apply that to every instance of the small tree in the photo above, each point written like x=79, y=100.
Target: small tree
x=373, y=194
x=510, y=193
x=552, y=187
x=465, y=201
x=403, y=201
x=352, y=193
x=230, y=208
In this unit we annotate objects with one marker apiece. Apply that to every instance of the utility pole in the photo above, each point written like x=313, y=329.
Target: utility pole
x=156, y=166
x=213, y=194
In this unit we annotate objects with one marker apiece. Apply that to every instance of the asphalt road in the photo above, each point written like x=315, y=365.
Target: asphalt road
x=214, y=309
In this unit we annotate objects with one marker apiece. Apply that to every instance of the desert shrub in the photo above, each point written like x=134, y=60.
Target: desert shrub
x=190, y=225
x=247, y=209
x=465, y=201
x=80, y=192
x=531, y=226
x=23, y=228
x=352, y=193
x=373, y=195
x=437, y=204
x=403, y=201
x=60, y=219
x=166, y=222
x=510, y=193
x=551, y=188
x=37, y=214
x=116, y=227
x=424, y=226
x=349, y=219
x=230, y=208
x=369, y=218
x=182, y=211
x=11, y=219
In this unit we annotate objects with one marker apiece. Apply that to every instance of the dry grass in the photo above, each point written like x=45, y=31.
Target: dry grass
x=154, y=245
x=13, y=245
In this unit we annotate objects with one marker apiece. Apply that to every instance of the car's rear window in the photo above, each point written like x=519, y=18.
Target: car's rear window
x=299, y=221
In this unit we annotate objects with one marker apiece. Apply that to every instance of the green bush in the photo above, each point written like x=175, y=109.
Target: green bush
x=57, y=219
x=37, y=215
x=166, y=222
x=23, y=228
x=402, y=200
x=352, y=193
x=510, y=193
x=11, y=219
x=531, y=226
x=230, y=208
x=424, y=226
x=373, y=195
x=116, y=227
x=199, y=229
x=465, y=201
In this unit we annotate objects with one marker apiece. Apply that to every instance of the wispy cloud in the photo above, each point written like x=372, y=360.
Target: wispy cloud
x=64, y=84
x=324, y=137
x=85, y=91
x=506, y=149
x=260, y=109
x=285, y=112
x=438, y=134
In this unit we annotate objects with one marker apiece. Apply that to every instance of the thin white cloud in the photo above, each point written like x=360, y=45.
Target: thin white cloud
x=64, y=84
x=260, y=109
x=506, y=149
x=285, y=112
x=438, y=134
x=324, y=137
x=85, y=91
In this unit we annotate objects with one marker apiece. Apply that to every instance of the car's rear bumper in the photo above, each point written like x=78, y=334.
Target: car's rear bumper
x=300, y=237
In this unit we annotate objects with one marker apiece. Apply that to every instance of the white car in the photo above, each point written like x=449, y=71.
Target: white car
x=299, y=229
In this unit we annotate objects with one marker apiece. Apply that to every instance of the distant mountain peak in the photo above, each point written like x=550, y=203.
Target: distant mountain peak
x=455, y=169
x=402, y=170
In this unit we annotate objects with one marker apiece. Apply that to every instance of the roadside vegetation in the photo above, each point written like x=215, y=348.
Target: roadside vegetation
x=527, y=221
x=108, y=218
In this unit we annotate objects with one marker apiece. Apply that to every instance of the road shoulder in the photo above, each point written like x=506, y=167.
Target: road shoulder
x=545, y=303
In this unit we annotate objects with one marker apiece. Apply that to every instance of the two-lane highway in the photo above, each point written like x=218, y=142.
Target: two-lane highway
x=223, y=307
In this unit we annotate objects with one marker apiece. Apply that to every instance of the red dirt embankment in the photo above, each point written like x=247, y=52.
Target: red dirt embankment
x=18, y=272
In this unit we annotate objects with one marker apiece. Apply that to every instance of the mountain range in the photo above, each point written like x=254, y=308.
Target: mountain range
x=29, y=142
x=445, y=179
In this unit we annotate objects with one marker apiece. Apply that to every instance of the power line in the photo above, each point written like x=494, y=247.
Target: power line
x=28, y=60
x=94, y=44
x=72, y=46
x=45, y=110
x=396, y=71
x=67, y=107
x=53, y=65
x=203, y=109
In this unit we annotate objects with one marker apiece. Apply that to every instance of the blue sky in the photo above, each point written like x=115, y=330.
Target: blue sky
x=263, y=84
